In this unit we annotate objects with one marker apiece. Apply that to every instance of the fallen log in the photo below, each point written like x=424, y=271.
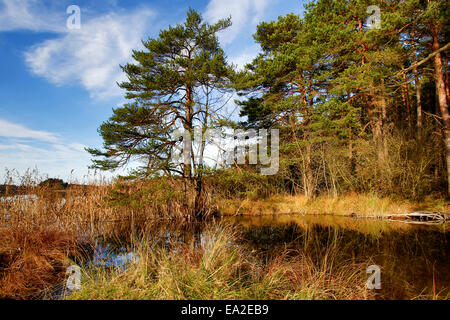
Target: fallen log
x=421, y=216
x=427, y=223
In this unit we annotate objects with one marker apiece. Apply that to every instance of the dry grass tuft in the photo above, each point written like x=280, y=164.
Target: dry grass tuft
x=32, y=260
x=218, y=269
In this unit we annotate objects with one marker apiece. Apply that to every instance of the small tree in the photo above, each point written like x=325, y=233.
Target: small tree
x=54, y=184
x=176, y=84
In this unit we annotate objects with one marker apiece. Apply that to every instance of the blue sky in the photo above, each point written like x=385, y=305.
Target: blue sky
x=59, y=85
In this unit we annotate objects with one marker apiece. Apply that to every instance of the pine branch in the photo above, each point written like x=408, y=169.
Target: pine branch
x=414, y=65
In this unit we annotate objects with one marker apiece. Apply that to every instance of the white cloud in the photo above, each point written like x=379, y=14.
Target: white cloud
x=91, y=55
x=56, y=160
x=244, y=14
x=30, y=15
x=22, y=148
x=12, y=130
x=245, y=56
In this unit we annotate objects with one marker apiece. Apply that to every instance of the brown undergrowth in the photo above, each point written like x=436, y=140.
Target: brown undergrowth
x=32, y=260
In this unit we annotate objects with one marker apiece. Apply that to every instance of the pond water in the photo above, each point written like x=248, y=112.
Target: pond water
x=414, y=259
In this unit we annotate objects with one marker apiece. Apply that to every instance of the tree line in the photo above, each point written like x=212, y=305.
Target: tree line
x=359, y=108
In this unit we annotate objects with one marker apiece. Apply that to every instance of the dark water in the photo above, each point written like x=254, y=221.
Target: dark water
x=414, y=259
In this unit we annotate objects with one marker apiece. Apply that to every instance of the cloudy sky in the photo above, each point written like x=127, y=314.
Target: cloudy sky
x=58, y=85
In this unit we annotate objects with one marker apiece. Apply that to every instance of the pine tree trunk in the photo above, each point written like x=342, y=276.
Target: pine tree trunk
x=419, y=99
x=446, y=77
x=187, y=172
x=200, y=209
x=199, y=203
x=442, y=97
x=309, y=187
x=418, y=87
x=379, y=119
x=350, y=153
x=407, y=102
x=383, y=120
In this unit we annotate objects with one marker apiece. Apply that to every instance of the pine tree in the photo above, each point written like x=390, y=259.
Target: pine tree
x=172, y=85
x=331, y=79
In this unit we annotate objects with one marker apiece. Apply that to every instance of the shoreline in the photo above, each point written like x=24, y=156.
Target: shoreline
x=352, y=205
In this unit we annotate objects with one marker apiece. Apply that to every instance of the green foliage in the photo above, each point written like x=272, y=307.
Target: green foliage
x=158, y=191
x=334, y=87
x=353, y=114
x=235, y=183
x=164, y=86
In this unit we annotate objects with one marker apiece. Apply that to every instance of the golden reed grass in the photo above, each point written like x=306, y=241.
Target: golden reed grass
x=32, y=260
x=40, y=227
x=217, y=268
x=345, y=205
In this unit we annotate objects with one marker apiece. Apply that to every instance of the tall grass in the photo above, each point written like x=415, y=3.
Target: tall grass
x=80, y=208
x=41, y=228
x=217, y=268
x=33, y=260
x=345, y=205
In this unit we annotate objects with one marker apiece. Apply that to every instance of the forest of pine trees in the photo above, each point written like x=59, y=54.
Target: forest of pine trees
x=360, y=108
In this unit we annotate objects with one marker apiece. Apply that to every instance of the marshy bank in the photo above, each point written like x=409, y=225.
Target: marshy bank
x=346, y=205
x=261, y=255
x=266, y=257
x=278, y=257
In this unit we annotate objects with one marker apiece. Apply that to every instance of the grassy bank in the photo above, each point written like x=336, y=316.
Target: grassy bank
x=39, y=232
x=346, y=205
x=217, y=269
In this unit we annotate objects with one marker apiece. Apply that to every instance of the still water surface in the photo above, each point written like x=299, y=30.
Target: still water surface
x=414, y=259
